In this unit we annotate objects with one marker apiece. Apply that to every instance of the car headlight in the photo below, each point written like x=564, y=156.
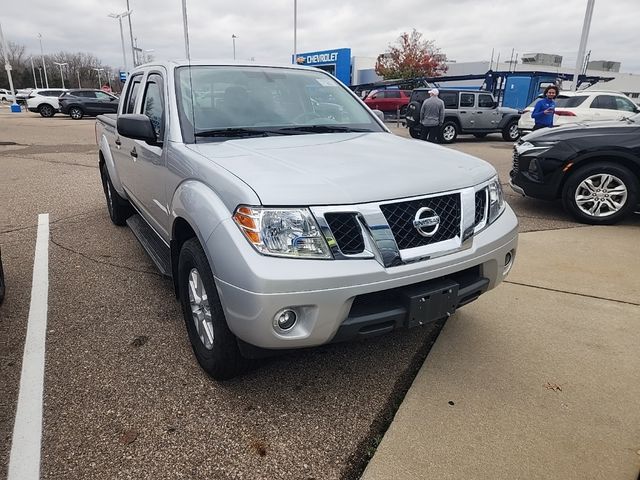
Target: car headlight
x=496, y=200
x=282, y=232
x=534, y=149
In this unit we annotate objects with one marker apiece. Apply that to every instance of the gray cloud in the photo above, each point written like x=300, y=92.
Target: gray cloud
x=466, y=30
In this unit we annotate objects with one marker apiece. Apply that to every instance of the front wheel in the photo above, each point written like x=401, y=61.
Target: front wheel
x=510, y=132
x=601, y=193
x=214, y=345
x=76, y=113
x=449, y=132
x=414, y=132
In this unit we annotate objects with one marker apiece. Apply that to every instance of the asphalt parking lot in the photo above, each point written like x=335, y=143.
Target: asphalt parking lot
x=124, y=397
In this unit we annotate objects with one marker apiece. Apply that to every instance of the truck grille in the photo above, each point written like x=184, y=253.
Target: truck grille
x=346, y=231
x=400, y=217
x=516, y=161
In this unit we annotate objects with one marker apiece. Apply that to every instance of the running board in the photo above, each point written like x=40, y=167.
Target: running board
x=152, y=243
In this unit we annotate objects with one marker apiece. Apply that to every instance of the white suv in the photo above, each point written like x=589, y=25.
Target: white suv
x=5, y=95
x=584, y=106
x=45, y=101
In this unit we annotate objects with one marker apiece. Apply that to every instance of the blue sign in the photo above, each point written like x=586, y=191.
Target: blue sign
x=336, y=62
x=123, y=77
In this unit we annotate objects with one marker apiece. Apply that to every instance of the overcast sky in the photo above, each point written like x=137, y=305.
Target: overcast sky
x=465, y=30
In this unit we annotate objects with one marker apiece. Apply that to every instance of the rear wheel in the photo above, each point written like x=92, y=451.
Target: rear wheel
x=511, y=132
x=214, y=345
x=46, y=110
x=601, y=193
x=449, y=132
x=76, y=113
x=414, y=132
x=119, y=208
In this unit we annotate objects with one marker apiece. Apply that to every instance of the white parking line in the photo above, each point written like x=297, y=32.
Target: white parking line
x=24, y=460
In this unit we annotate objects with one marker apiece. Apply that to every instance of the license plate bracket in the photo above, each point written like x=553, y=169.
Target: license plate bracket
x=430, y=303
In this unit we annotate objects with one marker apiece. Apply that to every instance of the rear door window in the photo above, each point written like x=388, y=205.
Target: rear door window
x=570, y=102
x=392, y=94
x=607, y=102
x=450, y=99
x=467, y=99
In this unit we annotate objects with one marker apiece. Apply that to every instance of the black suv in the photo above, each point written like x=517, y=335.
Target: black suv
x=84, y=101
x=466, y=111
x=593, y=167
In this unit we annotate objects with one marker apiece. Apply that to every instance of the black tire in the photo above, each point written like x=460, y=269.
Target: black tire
x=221, y=359
x=118, y=207
x=511, y=132
x=46, y=110
x=449, y=132
x=414, y=132
x=479, y=135
x=76, y=113
x=620, y=187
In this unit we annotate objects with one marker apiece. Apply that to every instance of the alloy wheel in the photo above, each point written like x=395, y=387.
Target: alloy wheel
x=601, y=195
x=449, y=133
x=200, y=309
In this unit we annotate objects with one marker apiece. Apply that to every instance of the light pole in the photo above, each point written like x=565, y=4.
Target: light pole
x=61, y=74
x=119, y=17
x=7, y=67
x=233, y=38
x=185, y=27
x=44, y=66
x=133, y=51
x=583, y=43
x=295, y=31
x=99, y=70
x=33, y=70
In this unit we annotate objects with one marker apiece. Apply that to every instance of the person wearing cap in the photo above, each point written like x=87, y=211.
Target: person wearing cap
x=431, y=116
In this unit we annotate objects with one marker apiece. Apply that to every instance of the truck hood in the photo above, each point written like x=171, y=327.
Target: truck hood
x=343, y=168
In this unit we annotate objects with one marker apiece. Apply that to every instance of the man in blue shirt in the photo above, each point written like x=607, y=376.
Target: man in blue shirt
x=545, y=108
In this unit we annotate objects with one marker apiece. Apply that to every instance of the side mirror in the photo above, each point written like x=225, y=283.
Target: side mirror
x=379, y=114
x=137, y=127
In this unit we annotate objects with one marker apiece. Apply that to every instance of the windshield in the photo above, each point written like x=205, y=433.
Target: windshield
x=219, y=102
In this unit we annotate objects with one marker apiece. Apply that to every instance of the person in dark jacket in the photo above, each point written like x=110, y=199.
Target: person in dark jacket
x=431, y=116
x=545, y=108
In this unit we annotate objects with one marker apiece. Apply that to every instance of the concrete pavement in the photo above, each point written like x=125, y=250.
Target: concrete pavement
x=539, y=378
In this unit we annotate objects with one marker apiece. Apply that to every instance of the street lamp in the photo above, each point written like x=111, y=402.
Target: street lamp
x=61, y=75
x=44, y=66
x=295, y=31
x=233, y=38
x=99, y=70
x=7, y=67
x=119, y=17
x=185, y=27
x=33, y=70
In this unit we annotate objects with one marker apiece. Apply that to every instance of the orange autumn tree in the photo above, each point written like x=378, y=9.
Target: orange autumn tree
x=411, y=57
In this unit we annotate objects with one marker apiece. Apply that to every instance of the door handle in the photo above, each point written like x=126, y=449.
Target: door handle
x=463, y=111
x=118, y=142
x=479, y=113
x=133, y=153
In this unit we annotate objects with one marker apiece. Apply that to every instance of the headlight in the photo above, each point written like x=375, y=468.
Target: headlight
x=282, y=232
x=496, y=200
x=534, y=149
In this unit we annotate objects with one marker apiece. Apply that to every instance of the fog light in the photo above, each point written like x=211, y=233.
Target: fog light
x=285, y=319
x=508, y=262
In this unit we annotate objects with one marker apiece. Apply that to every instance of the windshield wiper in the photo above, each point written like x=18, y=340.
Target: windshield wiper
x=323, y=129
x=239, y=132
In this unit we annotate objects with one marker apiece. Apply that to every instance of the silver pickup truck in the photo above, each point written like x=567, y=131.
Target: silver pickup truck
x=287, y=214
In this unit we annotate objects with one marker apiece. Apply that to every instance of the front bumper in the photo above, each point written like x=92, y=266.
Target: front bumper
x=338, y=300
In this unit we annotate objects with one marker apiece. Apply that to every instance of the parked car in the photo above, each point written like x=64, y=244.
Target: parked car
x=287, y=224
x=82, y=102
x=388, y=101
x=584, y=106
x=44, y=101
x=2, y=285
x=593, y=167
x=6, y=95
x=466, y=111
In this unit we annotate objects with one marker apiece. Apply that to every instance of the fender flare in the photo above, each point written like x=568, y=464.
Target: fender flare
x=508, y=118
